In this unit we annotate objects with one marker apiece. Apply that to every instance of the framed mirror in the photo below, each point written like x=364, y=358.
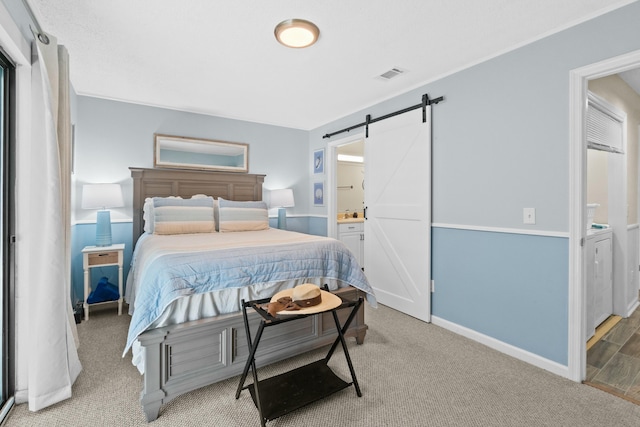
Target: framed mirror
x=195, y=153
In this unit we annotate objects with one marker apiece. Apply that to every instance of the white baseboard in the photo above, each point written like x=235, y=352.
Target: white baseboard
x=503, y=347
x=633, y=307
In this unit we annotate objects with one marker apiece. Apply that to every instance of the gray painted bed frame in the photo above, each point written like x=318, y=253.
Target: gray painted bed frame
x=181, y=358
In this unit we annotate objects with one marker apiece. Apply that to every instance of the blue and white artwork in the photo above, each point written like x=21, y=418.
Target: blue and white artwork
x=318, y=161
x=318, y=193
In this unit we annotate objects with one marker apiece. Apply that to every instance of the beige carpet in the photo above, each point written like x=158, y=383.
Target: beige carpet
x=410, y=373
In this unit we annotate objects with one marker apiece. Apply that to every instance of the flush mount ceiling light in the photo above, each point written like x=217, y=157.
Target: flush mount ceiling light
x=296, y=33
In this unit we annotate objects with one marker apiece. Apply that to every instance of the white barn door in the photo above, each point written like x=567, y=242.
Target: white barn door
x=398, y=211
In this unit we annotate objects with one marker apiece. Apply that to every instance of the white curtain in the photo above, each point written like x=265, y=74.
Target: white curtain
x=46, y=350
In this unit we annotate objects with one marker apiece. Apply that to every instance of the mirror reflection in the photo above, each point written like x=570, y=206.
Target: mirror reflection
x=195, y=153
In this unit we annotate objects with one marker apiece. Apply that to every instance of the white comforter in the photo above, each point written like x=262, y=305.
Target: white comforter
x=179, y=278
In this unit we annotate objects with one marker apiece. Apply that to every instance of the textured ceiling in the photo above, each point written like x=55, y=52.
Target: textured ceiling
x=221, y=58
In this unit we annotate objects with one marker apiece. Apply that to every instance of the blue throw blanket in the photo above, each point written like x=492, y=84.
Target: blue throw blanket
x=174, y=275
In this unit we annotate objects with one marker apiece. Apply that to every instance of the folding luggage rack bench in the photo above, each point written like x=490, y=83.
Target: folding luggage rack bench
x=284, y=393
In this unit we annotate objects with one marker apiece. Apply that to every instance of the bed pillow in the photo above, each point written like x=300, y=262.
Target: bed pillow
x=215, y=208
x=183, y=216
x=147, y=215
x=242, y=216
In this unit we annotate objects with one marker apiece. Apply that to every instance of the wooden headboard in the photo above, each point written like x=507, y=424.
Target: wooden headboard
x=186, y=183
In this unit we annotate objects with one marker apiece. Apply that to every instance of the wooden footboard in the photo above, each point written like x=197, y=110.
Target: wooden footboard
x=181, y=358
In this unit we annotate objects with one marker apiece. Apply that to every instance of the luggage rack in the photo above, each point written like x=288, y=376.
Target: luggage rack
x=286, y=392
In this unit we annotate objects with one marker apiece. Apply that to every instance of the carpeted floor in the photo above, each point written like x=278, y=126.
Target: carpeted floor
x=410, y=373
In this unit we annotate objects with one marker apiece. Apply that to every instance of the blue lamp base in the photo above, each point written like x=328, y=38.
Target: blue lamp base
x=103, y=228
x=282, y=219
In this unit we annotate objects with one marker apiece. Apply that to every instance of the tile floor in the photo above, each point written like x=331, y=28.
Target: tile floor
x=613, y=363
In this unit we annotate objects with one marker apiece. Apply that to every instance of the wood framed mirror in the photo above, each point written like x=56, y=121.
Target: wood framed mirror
x=180, y=152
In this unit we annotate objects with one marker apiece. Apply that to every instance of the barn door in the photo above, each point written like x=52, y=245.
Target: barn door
x=398, y=212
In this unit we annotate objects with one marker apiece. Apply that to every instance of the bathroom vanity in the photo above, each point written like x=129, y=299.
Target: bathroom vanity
x=351, y=233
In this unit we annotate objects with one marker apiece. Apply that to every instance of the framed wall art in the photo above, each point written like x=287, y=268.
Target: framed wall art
x=196, y=153
x=318, y=161
x=318, y=194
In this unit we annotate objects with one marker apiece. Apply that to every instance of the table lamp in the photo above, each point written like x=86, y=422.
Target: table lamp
x=282, y=199
x=101, y=197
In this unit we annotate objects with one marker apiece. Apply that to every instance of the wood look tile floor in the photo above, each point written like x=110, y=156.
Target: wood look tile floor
x=613, y=363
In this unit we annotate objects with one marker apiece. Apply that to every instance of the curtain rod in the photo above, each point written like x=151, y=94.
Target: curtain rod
x=425, y=101
x=41, y=35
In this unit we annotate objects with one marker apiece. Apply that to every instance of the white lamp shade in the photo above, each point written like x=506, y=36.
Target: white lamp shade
x=102, y=196
x=282, y=198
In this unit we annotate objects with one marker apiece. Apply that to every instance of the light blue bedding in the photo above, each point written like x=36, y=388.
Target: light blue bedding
x=171, y=276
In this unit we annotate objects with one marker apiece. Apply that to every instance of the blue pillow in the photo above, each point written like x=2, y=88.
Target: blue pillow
x=242, y=216
x=104, y=291
x=183, y=216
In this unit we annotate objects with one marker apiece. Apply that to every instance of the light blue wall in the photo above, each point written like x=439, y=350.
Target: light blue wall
x=111, y=136
x=85, y=235
x=501, y=143
x=511, y=287
x=303, y=224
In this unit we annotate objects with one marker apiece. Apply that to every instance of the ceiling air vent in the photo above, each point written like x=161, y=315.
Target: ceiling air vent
x=394, y=72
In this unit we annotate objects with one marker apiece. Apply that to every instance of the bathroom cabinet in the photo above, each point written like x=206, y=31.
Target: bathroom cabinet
x=352, y=235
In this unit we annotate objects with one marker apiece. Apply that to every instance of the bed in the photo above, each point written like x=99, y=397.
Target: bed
x=193, y=334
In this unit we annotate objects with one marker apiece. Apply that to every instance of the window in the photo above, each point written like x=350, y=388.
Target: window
x=605, y=125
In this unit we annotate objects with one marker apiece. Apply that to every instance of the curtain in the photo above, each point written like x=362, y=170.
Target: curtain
x=46, y=350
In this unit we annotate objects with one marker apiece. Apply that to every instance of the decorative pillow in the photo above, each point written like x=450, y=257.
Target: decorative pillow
x=183, y=216
x=242, y=216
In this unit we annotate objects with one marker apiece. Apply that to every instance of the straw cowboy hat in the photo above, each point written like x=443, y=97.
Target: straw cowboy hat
x=306, y=298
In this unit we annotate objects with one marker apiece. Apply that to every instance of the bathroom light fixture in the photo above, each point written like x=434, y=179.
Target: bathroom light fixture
x=296, y=33
x=349, y=158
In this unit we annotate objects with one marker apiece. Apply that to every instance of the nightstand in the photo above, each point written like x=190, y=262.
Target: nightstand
x=101, y=256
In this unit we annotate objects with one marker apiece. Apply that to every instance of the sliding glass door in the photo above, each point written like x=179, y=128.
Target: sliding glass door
x=7, y=205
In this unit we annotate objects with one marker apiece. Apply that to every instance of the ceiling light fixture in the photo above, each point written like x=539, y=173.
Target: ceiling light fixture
x=349, y=158
x=296, y=33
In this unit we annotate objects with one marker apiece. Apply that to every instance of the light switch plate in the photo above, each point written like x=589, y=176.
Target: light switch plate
x=529, y=215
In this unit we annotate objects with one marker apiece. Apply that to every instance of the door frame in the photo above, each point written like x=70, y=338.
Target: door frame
x=331, y=163
x=578, y=85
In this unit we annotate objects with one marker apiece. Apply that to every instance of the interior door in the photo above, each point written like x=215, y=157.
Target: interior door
x=398, y=212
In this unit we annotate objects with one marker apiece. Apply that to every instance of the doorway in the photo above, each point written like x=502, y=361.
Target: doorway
x=397, y=214
x=353, y=145
x=579, y=80
x=613, y=359
x=350, y=168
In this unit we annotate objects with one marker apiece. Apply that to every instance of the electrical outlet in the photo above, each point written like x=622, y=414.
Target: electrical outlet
x=529, y=215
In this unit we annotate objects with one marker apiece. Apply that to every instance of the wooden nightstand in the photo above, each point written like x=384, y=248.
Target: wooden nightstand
x=101, y=256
